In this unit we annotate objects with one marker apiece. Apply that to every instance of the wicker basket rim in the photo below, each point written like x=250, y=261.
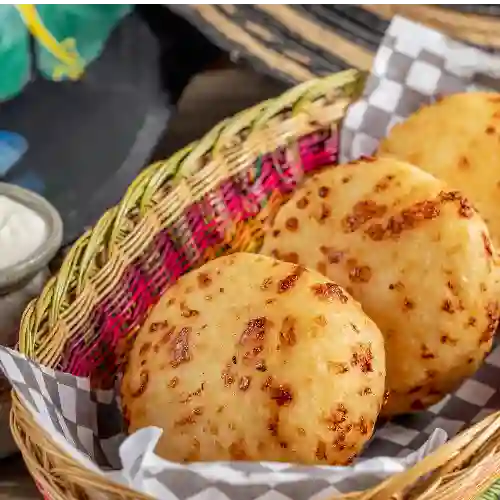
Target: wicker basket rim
x=188, y=189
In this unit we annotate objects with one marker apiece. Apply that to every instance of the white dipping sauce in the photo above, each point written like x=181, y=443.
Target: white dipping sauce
x=22, y=231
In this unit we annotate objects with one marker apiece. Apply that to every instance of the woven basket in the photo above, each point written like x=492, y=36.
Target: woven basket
x=98, y=264
x=299, y=42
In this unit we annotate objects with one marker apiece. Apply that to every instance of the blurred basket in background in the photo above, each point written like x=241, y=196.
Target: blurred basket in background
x=299, y=42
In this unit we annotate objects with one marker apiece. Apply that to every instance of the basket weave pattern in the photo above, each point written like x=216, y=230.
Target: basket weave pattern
x=213, y=197
x=172, y=218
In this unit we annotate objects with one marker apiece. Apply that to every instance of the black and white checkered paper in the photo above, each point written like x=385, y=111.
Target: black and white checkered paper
x=88, y=425
x=413, y=65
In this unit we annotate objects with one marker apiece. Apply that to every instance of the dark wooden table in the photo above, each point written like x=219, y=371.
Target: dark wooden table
x=15, y=481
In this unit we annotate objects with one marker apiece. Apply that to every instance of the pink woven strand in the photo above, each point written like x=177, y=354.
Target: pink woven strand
x=235, y=199
x=203, y=229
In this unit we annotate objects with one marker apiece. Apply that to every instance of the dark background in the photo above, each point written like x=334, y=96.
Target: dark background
x=87, y=140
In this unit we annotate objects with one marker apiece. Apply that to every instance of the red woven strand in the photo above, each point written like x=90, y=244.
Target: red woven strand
x=93, y=351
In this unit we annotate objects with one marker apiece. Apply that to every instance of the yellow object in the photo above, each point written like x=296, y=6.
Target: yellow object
x=66, y=52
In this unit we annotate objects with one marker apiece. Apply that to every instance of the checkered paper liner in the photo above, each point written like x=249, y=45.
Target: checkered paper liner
x=87, y=424
x=413, y=66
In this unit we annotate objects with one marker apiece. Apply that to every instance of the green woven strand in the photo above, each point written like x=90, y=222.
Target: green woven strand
x=492, y=493
x=258, y=169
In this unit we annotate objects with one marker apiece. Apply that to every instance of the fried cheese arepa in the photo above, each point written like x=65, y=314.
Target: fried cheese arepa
x=456, y=139
x=414, y=253
x=251, y=358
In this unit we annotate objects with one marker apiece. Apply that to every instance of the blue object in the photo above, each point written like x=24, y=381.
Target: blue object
x=12, y=148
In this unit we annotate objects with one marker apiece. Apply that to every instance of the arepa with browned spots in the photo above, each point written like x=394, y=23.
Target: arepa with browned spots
x=456, y=139
x=251, y=358
x=414, y=253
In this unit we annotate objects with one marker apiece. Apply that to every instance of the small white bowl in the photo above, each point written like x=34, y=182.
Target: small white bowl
x=17, y=275
x=19, y=284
